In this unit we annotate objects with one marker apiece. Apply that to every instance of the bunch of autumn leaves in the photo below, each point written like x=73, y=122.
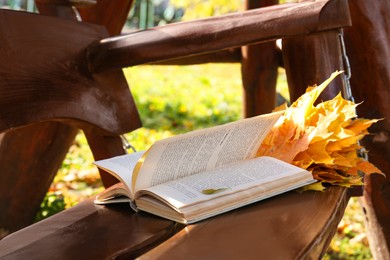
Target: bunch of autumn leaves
x=323, y=139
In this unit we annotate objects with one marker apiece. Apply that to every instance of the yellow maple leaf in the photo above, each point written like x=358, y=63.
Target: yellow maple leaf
x=303, y=160
x=323, y=138
x=318, y=153
x=360, y=125
x=306, y=101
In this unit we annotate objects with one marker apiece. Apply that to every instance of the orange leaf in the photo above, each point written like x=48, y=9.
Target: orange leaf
x=366, y=167
x=323, y=138
x=360, y=125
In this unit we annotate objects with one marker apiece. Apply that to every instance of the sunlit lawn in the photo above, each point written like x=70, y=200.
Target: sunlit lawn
x=173, y=100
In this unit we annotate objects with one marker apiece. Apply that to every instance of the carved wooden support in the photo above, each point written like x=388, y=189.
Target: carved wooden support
x=31, y=178
x=24, y=181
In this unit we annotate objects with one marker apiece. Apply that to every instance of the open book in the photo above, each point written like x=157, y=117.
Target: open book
x=193, y=176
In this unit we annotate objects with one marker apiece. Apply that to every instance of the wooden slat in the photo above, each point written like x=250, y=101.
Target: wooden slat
x=216, y=33
x=259, y=71
x=232, y=55
x=289, y=226
x=88, y=231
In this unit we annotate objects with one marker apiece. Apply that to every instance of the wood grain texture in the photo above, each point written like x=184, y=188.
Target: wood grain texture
x=30, y=157
x=232, y=55
x=112, y=15
x=24, y=179
x=367, y=43
x=259, y=72
x=88, y=231
x=311, y=60
x=217, y=33
x=44, y=76
x=289, y=226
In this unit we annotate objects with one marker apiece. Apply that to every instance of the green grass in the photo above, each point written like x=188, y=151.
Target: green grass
x=173, y=100
x=181, y=99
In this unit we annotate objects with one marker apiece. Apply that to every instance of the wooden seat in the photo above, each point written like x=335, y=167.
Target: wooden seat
x=87, y=231
x=81, y=84
x=291, y=226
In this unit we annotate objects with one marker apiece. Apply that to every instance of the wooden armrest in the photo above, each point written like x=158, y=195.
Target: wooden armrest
x=88, y=231
x=217, y=33
x=290, y=226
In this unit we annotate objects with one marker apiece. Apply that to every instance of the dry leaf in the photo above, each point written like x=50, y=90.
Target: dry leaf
x=323, y=138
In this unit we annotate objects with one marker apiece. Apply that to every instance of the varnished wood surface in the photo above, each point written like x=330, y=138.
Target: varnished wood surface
x=44, y=79
x=30, y=157
x=48, y=141
x=232, y=55
x=259, y=71
x=24, y=180
x=368, y=49
x=217, y=33
x=88, y=231
x=311, y=60
x=289, y=226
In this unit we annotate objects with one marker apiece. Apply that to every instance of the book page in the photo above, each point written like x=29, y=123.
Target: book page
x=204, y=149
x=117, y=193
x=223, y=181
x=122, y=168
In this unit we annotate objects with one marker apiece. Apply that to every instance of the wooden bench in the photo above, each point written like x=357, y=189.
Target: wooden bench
x=84, y=77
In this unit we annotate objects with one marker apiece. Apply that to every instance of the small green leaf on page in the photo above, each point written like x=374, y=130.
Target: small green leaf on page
x=213, y=191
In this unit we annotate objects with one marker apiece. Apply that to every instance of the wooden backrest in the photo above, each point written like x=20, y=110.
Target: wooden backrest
x=44, y=76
